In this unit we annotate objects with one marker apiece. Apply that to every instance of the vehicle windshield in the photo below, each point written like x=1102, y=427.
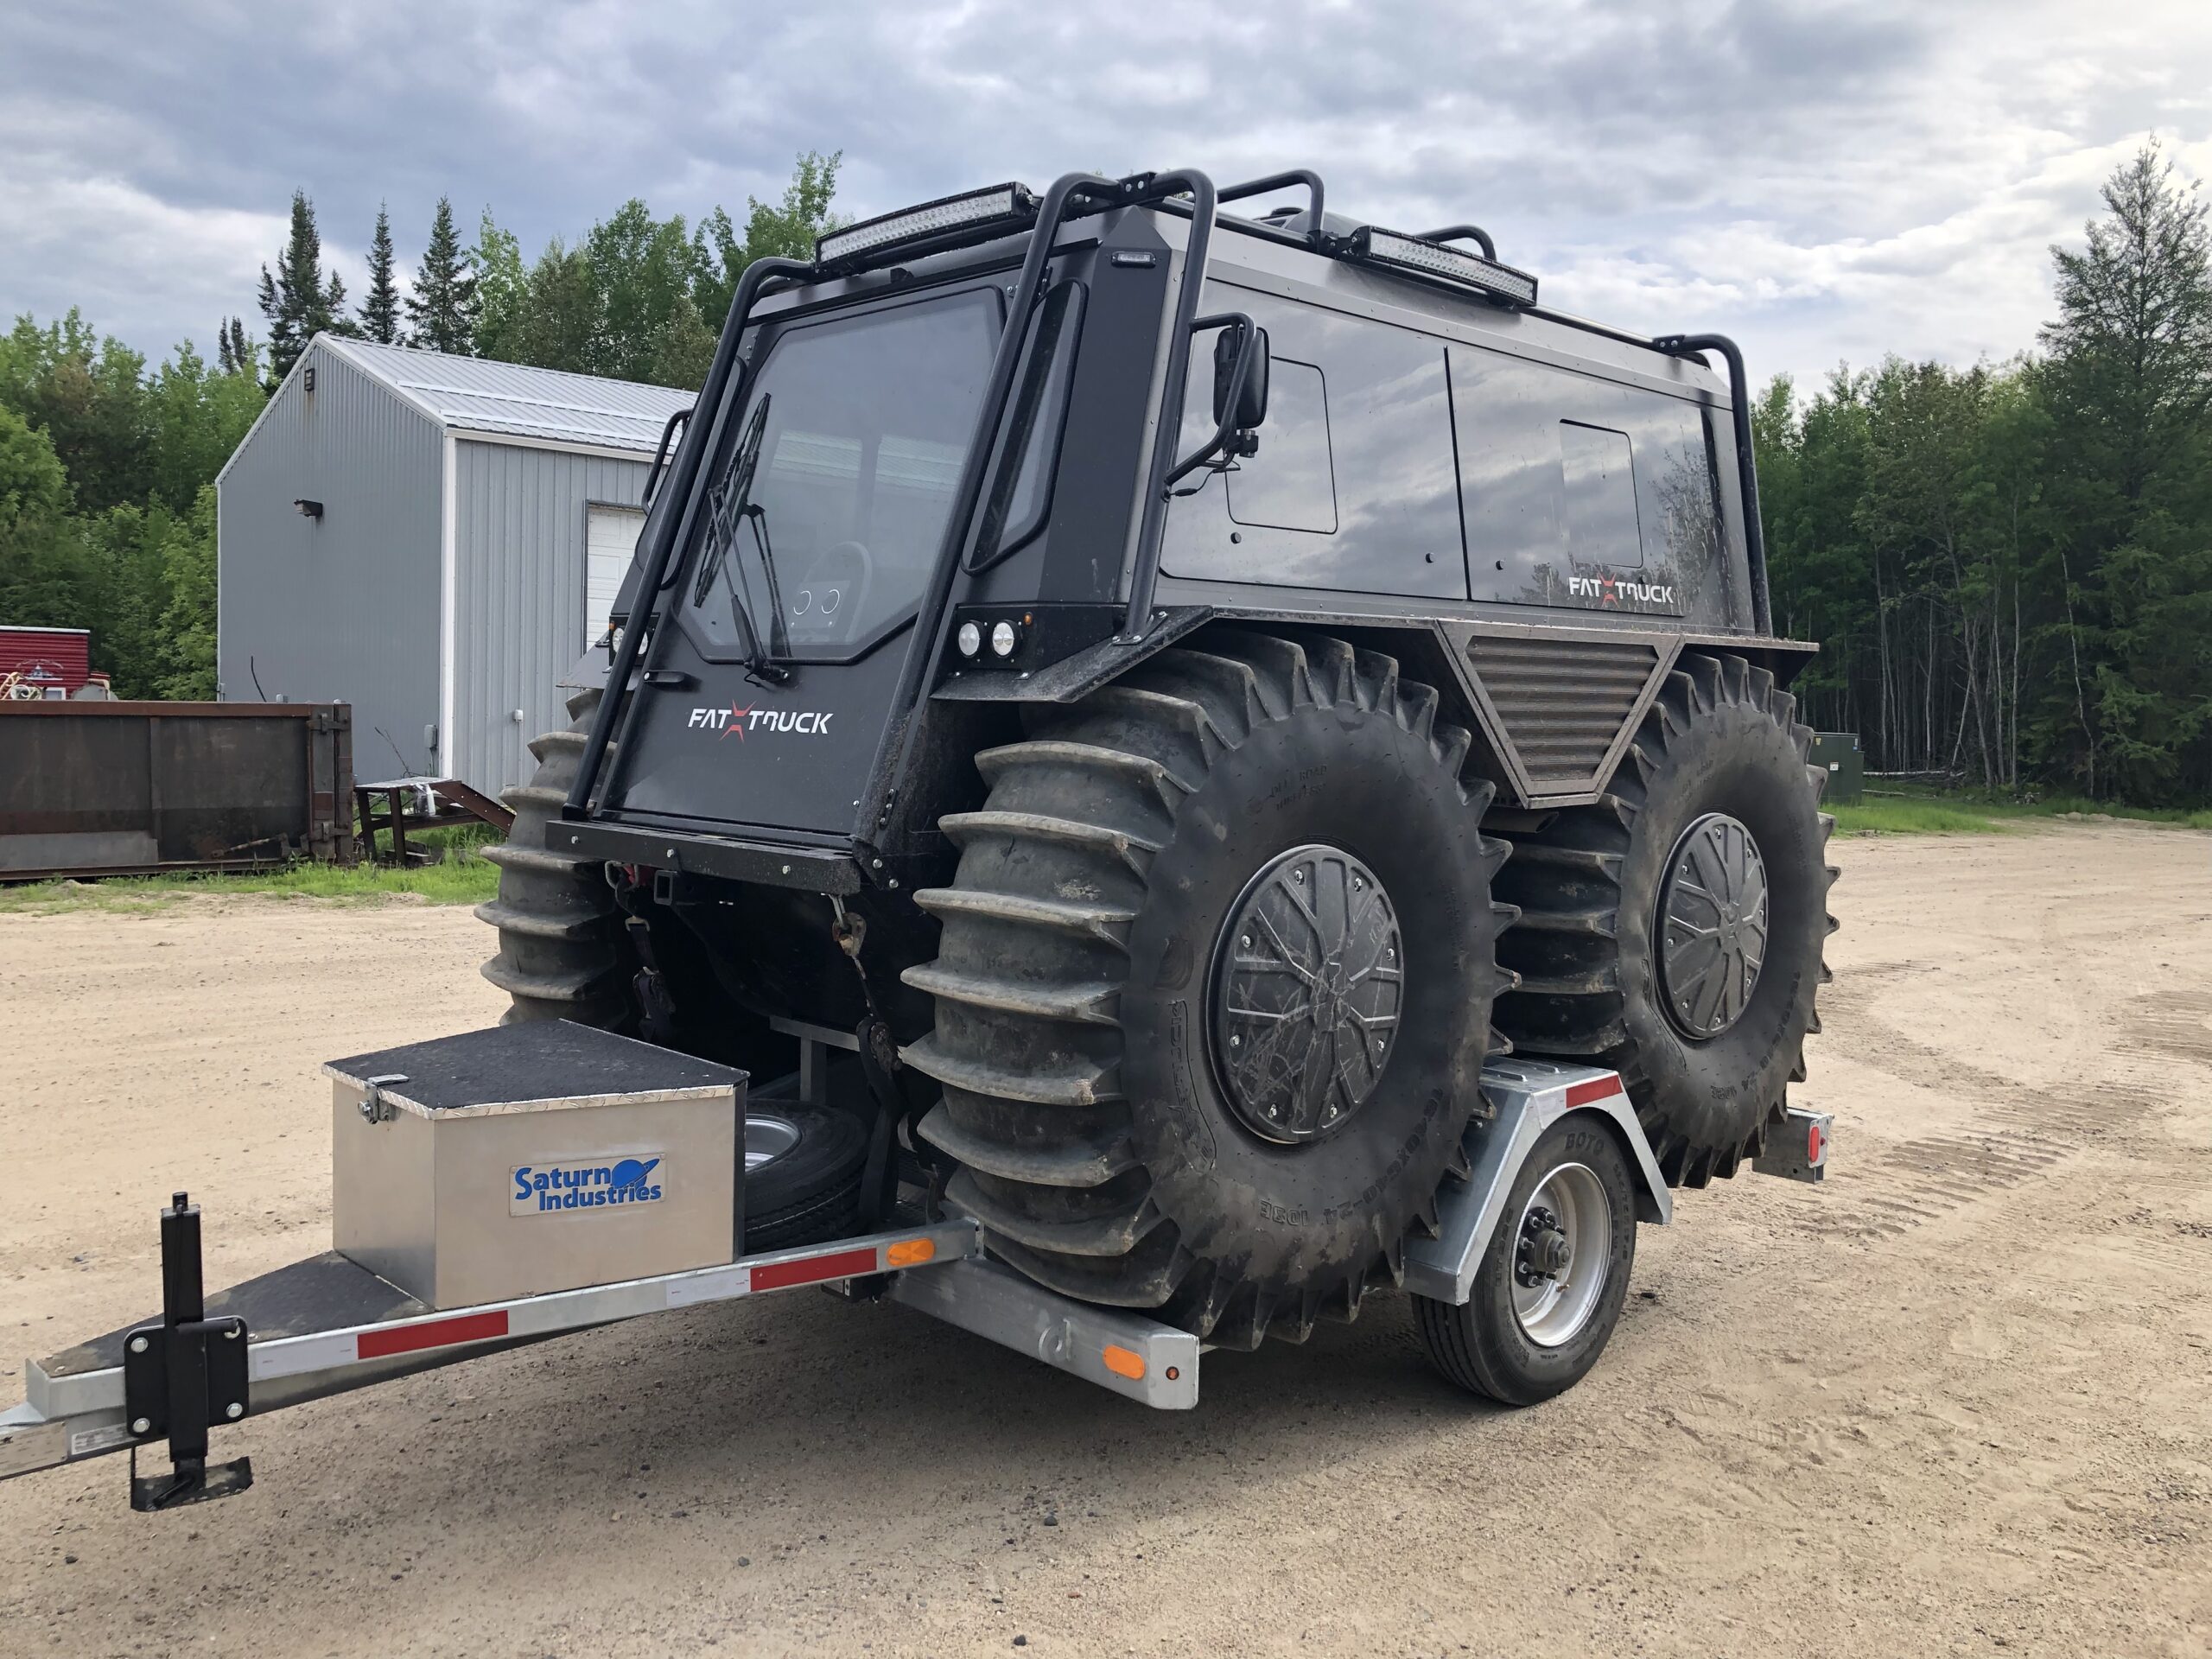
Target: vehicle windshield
x=827, y=517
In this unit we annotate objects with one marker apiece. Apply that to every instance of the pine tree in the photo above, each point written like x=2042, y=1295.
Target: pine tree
x=297, y=300
x=380, y=311
x=2131, y=350
x=442, y=311
x=236, y=351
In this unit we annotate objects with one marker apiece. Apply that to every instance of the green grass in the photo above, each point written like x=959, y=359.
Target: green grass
x=1903, y=808
x=1876, y=817
x=466, y=880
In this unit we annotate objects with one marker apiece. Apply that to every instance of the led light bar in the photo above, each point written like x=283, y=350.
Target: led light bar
x=1432, y=260
x=1008, y=204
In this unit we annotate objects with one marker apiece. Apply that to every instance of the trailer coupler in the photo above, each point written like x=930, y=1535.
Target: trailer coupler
x=183, y=1377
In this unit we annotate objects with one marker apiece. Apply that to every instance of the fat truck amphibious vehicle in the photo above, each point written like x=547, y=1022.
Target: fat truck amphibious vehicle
x=1140, y=702
x=1157, y=770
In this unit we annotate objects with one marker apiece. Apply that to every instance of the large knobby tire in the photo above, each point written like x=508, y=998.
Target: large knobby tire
x=1082, y=990
x=561, y=951
x=1721, y=750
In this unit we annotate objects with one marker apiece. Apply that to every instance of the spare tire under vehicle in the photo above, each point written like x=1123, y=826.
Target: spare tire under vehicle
x=803, y=1167
x=1673, y=931
x=1213, y=992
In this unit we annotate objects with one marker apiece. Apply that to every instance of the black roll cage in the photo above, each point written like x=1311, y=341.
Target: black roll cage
x=670, y=526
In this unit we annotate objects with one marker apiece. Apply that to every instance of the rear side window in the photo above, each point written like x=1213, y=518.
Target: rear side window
x=1291, y=483
x=1598, y=493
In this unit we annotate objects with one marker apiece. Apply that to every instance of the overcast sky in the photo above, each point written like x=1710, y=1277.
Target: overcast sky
x=1824, y=182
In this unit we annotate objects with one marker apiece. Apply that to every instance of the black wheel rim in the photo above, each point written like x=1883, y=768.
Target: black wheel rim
x=1712, y=920
x=1308, y=982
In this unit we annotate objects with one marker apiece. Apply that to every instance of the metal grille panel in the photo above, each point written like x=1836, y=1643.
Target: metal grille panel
x=1562, y=702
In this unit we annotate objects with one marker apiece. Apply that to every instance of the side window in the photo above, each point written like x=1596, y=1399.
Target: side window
x=1021, y=495
x=1354, y=487
x=1597, y=488
x=1291, y=483
x=1585, y=493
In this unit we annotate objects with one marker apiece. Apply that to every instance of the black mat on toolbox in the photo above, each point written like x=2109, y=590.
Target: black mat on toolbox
x=324, y=1292
x=545, y=1059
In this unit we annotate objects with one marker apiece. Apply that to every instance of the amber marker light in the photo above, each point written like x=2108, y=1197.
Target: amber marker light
x=909, y=1253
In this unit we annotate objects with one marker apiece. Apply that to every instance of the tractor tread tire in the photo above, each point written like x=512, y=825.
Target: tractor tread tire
x=1034, y=970
x=1577, y=992
x=560, y=951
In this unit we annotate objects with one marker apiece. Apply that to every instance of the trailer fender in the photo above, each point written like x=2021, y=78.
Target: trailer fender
x=1529, y=1098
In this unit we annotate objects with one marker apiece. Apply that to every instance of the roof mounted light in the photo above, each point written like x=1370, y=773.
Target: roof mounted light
x=1453, y=266
x=1003, y=207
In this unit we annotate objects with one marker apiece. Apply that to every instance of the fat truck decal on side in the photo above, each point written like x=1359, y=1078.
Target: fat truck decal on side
x=1613, y=590
x=734, y=722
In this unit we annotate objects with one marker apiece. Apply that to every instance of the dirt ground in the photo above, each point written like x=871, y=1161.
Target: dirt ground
x=1958, y=1400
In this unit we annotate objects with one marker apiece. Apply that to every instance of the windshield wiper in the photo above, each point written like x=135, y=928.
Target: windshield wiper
x=731, y=507
x=779, y=638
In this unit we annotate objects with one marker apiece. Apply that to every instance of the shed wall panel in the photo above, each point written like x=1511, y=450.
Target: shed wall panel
x=343, y=609
x=520, y=570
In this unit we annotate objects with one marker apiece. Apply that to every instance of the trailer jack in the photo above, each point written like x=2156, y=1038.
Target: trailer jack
x=183, y=1377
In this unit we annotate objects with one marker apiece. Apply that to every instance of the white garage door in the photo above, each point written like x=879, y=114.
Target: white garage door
x=610, y=538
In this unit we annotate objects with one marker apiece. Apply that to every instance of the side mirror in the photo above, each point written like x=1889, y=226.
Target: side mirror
x=1252, y=405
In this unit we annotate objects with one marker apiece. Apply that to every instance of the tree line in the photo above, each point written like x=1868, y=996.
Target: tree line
x=107, y=465
x=2008, y=566
x=635, y=298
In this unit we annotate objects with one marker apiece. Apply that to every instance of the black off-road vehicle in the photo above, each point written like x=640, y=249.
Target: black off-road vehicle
x=1134, y=703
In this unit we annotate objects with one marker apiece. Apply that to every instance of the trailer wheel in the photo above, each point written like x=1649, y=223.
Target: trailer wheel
x=1177, y=1076
x=1552, y=1278
x=561, y=952
x=1673, y=931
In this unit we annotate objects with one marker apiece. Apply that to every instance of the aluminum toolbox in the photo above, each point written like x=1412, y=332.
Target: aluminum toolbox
x=533, y=1158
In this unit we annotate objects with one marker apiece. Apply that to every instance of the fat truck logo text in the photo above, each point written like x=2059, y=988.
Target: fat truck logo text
x=541, y=1189
x=734, y=722
x=1612, y=590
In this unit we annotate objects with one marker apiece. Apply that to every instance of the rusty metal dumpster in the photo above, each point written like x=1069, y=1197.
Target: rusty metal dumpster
x=136, y=788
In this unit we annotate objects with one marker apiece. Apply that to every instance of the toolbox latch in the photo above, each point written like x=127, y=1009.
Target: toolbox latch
x=374, y=1107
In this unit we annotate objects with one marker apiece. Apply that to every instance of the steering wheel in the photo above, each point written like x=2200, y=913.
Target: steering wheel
x=833, y=592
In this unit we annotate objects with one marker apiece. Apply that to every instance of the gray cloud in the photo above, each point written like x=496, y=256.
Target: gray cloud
x=1824, y=181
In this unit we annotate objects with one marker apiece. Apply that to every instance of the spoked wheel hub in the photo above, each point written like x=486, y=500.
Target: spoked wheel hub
x=1561, y=1254
x=1712, y=922
x=1308, y=982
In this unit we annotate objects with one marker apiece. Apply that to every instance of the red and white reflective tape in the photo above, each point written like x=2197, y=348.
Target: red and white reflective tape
x=555, y=1311
x=1589, y=1093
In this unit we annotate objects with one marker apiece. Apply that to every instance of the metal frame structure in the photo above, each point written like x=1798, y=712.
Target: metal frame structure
x=679, y=486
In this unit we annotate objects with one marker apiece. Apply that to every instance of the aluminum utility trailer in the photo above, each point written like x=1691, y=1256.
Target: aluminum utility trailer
x=327, y=1326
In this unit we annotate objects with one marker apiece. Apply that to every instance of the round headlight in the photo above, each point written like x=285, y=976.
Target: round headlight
x=1002, y=638
x=970, y=638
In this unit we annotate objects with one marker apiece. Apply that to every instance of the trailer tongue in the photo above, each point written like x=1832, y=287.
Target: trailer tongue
x=1531, y=1242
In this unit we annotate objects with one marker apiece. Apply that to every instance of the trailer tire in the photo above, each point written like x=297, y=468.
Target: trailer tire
x=1720, y=751
x=562, y=955
x=1506, y=1342
x=809, y=1190
x=1114, y=1139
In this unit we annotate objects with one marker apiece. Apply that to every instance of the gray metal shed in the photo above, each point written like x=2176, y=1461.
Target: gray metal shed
x=433, y=539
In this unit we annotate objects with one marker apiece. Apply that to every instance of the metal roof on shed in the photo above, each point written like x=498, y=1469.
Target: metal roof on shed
x=473, y=394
